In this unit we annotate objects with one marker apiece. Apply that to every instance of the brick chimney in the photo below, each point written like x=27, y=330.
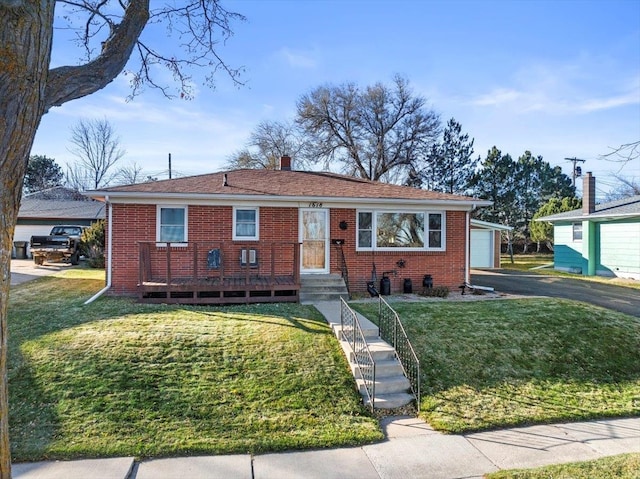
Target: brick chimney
x=285, y=163
x=588, y=194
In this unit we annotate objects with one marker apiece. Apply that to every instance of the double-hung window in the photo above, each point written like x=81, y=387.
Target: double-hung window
x=171, y=224
x=577, y=231
x=400, y=230
x=246, y=225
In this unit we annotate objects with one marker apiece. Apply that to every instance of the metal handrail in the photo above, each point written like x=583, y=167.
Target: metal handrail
x=352, y=334
x=343, y=269
x=392, y=331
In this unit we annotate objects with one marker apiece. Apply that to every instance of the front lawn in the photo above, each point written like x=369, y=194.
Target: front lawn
x=500, y=363
x=116, y=378
x=624, y=466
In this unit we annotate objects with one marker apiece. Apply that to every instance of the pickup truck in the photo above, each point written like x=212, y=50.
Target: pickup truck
x=63, y=243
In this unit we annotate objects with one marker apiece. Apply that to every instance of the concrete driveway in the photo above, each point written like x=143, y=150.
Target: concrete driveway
x=618, y=298
x=23, y=270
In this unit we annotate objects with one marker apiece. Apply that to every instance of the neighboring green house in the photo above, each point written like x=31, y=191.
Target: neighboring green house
x=599, y=239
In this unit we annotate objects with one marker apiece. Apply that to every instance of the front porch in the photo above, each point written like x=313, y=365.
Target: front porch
x=207, y=272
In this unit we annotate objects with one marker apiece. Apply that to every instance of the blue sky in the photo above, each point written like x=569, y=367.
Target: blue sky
x=559, y=78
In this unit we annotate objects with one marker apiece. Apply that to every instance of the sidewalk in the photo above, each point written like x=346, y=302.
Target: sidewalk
x=412, y=450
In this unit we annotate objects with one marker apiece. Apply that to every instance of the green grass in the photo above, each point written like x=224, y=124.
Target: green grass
x=116, y=378
x=532, y=263
x=624, y=466
x=501, y=363
x=524, y=262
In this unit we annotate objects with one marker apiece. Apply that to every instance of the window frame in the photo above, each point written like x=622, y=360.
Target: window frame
x=573, y=232
x=234, y=235
x=374, y=230
x=185, y=238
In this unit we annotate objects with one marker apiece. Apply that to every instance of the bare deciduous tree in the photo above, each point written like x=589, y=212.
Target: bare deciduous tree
x=375, y=133
x=130, y=174
x=110, y=31
x=267, y=144
x=624, y=154
x=97, y=148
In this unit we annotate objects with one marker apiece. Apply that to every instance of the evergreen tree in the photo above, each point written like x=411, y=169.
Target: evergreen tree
x=450, y=166
x=495, y=181
x=42, y=173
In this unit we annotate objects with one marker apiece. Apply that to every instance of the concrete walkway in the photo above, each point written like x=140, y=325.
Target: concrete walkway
x=412, y=450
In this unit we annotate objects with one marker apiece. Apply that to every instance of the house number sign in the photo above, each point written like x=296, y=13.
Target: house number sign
x=315, y=204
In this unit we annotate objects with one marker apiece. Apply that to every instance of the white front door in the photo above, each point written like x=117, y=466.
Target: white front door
x=314, y=239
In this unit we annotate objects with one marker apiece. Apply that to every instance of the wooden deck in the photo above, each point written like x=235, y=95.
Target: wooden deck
x=218, y=273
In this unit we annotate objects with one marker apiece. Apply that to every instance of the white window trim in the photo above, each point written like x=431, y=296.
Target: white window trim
x=573, y=234
x=246, y=238
x=186, y=225
x=374, y=228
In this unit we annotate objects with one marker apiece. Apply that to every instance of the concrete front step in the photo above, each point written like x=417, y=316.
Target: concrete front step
x=391, y=401
x=390, y=385
x=322, y=287
x=368, y=332
x=379, y=349
x=312, y=297
x=384, y=369
x=306, y=279
x=387, y=364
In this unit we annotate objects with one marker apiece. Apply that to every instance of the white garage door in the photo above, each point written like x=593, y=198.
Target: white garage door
x=481, y=248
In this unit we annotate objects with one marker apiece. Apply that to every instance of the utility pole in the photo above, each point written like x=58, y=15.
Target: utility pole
x=577, y=171
x=170, y=167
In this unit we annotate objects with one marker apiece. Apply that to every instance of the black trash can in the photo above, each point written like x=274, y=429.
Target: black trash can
x=385, y=285
x=408, y=286
x=427, y=281
x=21, y=249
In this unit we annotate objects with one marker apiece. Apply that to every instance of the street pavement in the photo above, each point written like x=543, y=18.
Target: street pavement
x=411, y=450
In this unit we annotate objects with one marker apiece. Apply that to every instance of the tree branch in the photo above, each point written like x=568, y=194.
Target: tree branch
x=69, y=83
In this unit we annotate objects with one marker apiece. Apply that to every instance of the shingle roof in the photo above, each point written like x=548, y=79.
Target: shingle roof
x=280, y=183
x=61, y=209
x=614, y=209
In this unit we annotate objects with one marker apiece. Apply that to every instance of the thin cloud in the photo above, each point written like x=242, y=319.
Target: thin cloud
x=497, y=97
x=298, y=59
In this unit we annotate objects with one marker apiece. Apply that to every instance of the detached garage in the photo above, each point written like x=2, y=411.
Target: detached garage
x=485, y=244
x=38, y=216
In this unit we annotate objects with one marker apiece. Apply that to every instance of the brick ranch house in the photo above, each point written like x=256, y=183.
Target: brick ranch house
x=248, y=235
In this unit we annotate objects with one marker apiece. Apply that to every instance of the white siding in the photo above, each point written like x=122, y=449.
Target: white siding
x=620, y=249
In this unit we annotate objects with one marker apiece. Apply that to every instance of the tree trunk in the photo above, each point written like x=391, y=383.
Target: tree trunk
x=25, y=50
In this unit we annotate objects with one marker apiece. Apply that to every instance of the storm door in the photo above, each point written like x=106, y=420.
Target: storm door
x=314, y=239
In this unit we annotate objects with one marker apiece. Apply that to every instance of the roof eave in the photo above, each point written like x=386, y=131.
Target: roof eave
x=594, y=217
x=147, y=197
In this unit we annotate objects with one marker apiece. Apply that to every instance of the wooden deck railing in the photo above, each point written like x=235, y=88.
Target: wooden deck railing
x=218, y=272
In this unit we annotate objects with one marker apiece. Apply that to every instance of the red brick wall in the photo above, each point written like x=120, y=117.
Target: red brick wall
x=446, y=267
x=213, y=224
x=210, y=226
x=497, y=241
